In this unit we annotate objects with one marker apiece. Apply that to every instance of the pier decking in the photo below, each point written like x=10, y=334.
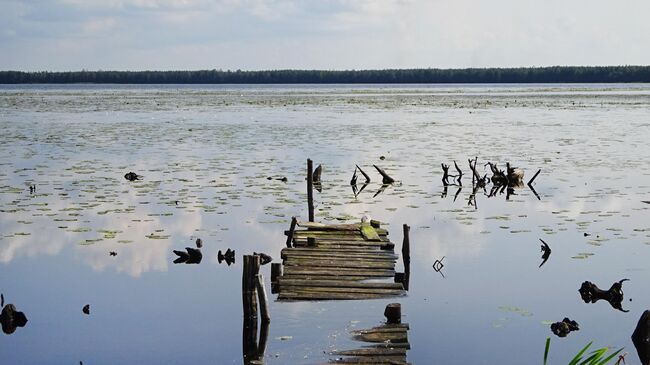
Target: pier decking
x=342, y=261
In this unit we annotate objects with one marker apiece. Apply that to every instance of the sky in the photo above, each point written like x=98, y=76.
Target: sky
x=68, y=35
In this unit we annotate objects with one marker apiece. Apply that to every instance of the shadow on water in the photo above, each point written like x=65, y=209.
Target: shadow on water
x=641, y=338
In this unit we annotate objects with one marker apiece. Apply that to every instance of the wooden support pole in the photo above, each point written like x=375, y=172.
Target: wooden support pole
x=276, y=271
x=311, y=241
x=261, y=295
x=406, y=243
x=393, y=313
x=310, y=189
x=294, y=221
x=250, y=271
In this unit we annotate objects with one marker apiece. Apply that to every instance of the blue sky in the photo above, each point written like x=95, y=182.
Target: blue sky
x=65, y=35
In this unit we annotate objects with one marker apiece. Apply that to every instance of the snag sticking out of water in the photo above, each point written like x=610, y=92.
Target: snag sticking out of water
x=228, y=256
x=264, y=258
x=386, y=179
x=86, y=309
x=132, y=176
x=614, y=296
x=562, y=329
x=641, y=338
x=192, y=256
x=546, y=252
x=10, y=319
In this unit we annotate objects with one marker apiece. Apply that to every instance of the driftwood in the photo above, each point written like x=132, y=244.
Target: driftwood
x=131, y=176
x=363, y=173
x=546, y=252
x=563, y=328
x=10, y=319
x=228, y=256
x=386, y=179
x=190, y=256
x=614, y=296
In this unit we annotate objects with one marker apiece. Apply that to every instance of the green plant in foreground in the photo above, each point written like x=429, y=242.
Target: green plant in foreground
x=596, y=357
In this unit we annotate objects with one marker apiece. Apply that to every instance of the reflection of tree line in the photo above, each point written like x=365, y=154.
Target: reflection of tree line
x=555, y=74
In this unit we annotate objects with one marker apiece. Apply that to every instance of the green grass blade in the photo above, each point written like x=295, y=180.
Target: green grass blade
x=578, y=356
x=548, y=345
x=606, y=360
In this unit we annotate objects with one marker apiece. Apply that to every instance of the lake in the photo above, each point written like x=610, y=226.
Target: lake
x=205, y=154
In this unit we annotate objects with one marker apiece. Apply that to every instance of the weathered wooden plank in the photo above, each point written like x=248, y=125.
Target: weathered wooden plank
x=372, y=351
x=347, y=291
x=383, y=337
x=340, y=263
x=329, y=227
x=342, y=284
x=297, y=270
x=329, y=277
x=338, y=238
x=381, y=360
x=321, y=251
x=320, y=242
x=370, y=256
x=386, y=328
x=380, y=231
x=286, y=295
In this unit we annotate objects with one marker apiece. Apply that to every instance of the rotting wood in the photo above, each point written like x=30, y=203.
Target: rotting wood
x=288, y=295
x=317, y=173
x=338, y=283
x=261, y=294
x=292, y=229
x=340, y=263
x=393, y=313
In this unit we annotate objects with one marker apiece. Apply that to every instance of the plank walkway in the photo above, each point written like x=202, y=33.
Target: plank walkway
x=342, y=261
x=389, y=347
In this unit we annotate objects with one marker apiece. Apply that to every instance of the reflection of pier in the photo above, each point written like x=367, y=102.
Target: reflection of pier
x=337, y=261
x=389, y=342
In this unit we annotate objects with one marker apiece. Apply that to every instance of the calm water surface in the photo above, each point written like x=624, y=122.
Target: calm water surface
x=205, y=153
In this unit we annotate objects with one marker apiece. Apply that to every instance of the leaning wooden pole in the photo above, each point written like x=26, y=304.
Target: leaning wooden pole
x=406, y=243
x=294, y=221
x=249, y=302
x=261, y=295
x=310, y=189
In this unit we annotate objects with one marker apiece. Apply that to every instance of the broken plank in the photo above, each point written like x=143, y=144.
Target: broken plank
x=297, y=270
x=285, y=295
x=348, y=263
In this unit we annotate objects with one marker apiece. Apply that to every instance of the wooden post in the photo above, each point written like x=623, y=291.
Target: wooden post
x=311, y=241
x=261, y=295
x=249, y=301
x=310, y=189
x=406, y=243
x=276, y=271
x=294, y=221
x=393, y=313
x=251, y=269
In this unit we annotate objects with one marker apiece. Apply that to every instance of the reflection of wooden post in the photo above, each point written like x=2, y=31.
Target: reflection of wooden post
x=393, y=313
x=294, y=221
x=276, y=272
x=261, y=294
x=310, y=190
x=249, y=302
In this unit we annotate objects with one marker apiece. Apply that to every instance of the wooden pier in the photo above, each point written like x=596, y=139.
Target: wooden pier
x=389, y=343
x=336, y=261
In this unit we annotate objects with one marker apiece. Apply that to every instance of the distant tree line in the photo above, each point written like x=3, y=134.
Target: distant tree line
x=556, y=74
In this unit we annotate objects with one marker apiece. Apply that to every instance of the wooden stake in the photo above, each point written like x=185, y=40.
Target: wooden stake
x=406, y=249
x=261, y=295
x=250, y=271
x=276, y=271
x=393, y=313
x=294, y=221
x=310, y=189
